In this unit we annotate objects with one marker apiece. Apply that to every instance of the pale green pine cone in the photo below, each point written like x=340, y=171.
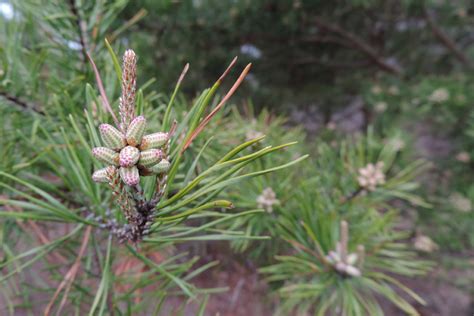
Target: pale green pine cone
x=135, y=131
x=155, y=140
x=132, y=154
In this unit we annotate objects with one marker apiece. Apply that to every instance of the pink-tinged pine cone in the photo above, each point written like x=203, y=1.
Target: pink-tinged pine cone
x=102, y=175
x=135, y=131
x=150, y=157
x=106, y=155
x=161, y=167
x=112, y=137
x=129, y=156
x=154, y=140
x=130, y=176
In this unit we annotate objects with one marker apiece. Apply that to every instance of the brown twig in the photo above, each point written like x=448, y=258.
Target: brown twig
x=81, y=29
x=359, y=44
x=22, y=104
x=69, y=277
x=325, y=39
x=351, y=196
x=445, y=39
x=335, y=64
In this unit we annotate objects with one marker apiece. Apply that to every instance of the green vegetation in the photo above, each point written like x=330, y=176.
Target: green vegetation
x=337, y=169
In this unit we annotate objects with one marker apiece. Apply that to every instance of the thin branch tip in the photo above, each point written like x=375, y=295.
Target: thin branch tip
x=229, y=94
x=231, y=65
x=183, y=73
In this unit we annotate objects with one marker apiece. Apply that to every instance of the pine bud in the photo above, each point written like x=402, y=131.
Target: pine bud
x=154, y=140
x=150, y=157
x=102, y=175
x=127, y=100
x=130, y=176
x=129, y=156
x=106, y=155
x=135, y=131
x=352, y=259
x=161, y=167
x=352, y=271
x=111, y=137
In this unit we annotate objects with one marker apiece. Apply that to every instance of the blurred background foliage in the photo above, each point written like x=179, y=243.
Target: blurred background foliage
x=312, y=47
x=354, y=82
x=361, y=63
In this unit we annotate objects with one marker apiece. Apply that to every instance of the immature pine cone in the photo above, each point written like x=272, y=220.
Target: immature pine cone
x=133, y=154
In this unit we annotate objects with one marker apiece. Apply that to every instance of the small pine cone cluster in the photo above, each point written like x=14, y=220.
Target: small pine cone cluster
x=371, y=176
x=267, y=199
x=345, y=263
x=132, y=153
x=129, y=154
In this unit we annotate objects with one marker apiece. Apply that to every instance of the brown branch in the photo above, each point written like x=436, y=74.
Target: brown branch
x=359, y=44
x=22, y=104
x=325, y=39
x=334, y=64
x=351, y=196
x=445, y=39
x=81, y=29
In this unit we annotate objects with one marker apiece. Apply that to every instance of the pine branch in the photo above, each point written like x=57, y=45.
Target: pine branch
x=334, y=64
x=81, y=29
x=445, y=39
x=359, y=44
x=20, y=103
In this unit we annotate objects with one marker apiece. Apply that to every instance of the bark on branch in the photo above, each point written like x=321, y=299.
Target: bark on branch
x=359, y=44
x=22, y=104
x=445, y=39
x=81, y=29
